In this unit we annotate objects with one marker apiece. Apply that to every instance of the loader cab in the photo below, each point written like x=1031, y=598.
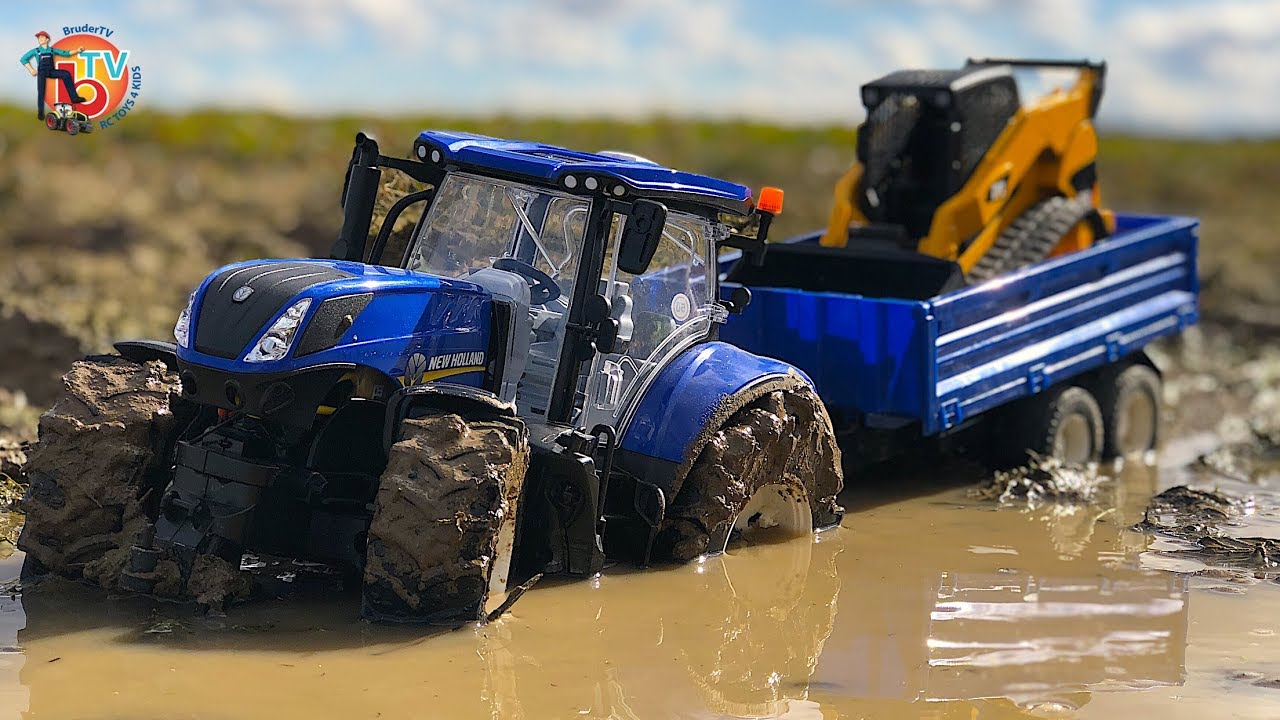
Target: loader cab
x=926, y=131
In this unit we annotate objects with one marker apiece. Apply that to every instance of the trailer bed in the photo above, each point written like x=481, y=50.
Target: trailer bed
x=889, y=361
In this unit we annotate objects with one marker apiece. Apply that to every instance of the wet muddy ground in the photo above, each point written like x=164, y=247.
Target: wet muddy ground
x=934, y=599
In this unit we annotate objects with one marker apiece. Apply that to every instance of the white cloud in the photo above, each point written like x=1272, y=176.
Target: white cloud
x=1175, y=67
x=1189, y=68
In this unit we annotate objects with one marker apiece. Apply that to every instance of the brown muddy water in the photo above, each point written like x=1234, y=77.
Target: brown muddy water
x=927, y=603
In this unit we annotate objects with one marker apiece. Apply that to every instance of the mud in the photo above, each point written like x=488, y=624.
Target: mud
x=1211, y=528
x=13, y=455
x=94, y=465
x=1250, y=460
x=783, y=440
x=1009, y=613
x=11, y=492
x=34, y=355
x=1043, y=480
x=214, y=582
x=440, y=541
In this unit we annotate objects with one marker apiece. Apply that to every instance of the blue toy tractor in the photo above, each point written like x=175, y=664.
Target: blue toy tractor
x=532, y=385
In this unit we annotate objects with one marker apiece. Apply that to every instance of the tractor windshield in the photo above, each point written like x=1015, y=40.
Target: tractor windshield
x=476, y=220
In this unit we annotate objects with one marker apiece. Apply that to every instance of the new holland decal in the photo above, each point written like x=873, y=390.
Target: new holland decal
x=456, y=360
x=420, y=369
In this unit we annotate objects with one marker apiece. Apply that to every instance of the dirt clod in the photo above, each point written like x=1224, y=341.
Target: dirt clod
x=215, y=582
x=93, y=464
x=1043, y=479
x=1198, y=517
x=1182, y=506
x=444, y=518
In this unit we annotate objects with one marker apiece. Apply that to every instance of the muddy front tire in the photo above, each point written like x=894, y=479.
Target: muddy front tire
x=102, y=454
x=774, y=463
x=440, y=542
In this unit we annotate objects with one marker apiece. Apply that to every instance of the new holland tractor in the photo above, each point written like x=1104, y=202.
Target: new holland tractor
x=534, y=384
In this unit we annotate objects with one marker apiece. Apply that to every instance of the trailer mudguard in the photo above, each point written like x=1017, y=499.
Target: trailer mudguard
x=688, y=401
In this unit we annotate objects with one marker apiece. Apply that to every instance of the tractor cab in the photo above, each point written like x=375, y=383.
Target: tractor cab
x=601, y=267
x=925, y=132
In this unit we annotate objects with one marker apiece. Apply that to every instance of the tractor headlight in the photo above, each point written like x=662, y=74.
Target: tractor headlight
x=275, y=343
x=182, y=330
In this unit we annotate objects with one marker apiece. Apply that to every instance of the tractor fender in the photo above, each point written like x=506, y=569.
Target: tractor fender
x=415, y=400
x=141, y=351
x=687, y=403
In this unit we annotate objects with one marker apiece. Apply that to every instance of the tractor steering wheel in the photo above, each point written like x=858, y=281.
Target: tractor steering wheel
x=542, y=287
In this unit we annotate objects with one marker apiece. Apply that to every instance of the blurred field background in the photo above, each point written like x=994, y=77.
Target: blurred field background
x=102, y=238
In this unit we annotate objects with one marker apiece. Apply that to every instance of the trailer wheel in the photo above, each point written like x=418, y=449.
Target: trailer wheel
x=101, y=460
x=773, y=464
x=1130, y=404
x=1064, y=423
x=443, y=529
x=1032, y=236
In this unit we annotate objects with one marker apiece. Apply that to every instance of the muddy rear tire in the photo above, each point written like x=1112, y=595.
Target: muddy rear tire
x=1063, y=422
x=773, y=463
x=1130, y=403
x=440, y=542
x=103, y=452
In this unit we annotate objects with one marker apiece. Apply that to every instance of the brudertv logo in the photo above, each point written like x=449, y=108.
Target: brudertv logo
x=84, y=80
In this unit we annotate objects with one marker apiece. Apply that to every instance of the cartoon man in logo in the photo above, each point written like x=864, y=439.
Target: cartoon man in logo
x=44, y=70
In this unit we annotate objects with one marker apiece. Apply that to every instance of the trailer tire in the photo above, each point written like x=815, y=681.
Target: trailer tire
x=100, y=461
x=440, y=542
x=1032, y=236
x=1063, y=423
x=1130, y=402
x=774, y=463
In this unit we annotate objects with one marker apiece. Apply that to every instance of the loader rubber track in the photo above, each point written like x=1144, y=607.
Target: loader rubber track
x=1031, y=236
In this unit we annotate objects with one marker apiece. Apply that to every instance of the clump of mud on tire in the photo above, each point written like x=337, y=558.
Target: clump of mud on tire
x=441, y=538
x=1042, y=479
x=101, y=454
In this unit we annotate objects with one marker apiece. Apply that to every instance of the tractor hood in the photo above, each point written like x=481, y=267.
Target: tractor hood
x=344, y=311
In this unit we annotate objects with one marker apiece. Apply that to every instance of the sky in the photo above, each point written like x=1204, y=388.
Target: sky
x=1204, y=69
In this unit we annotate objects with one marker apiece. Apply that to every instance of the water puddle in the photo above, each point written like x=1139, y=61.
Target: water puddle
x=928, y=602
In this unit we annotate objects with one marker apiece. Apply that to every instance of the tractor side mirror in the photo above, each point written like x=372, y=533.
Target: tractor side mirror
x=641, y=235
x=738, y=300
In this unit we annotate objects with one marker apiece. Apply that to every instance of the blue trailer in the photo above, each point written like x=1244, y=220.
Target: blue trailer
x=885, y=360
